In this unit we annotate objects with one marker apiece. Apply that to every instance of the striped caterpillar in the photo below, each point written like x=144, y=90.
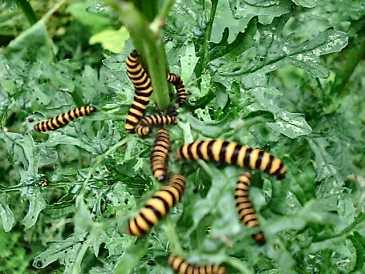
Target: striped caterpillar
x=144, y=126
x=159, y=155
x=142, y=83
x=233, y=153
x=181, y=266
x=63, y=119
x=157, y=206
x=179, y=86
x=244, y=207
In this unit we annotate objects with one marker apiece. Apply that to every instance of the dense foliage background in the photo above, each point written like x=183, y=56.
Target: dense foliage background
x=286, y=76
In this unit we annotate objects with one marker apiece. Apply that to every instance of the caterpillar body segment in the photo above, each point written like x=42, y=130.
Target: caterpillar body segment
x=181, y=266
x=144, y=127
x=157, y=206
x=244, y=207
x=233, y=153
x=138, y=75
x=136, y=112
x=179, y=86
x=159, y=155
x=63, y=119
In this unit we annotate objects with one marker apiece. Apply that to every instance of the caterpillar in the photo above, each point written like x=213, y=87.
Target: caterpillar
x=157, y=206
x=138, y=75
x=159, y=155
x=244, y=207
x=63, y=119
x=181, y=266
x=233, y=153
x=142, y=83
x=179, y=86
x=136, y=112
x=144, y=126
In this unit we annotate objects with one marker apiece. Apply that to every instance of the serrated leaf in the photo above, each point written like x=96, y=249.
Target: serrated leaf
x=7, y=216
x=36, y=205
x=112, y=40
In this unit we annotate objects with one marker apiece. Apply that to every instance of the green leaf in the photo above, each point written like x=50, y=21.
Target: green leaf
x=306, y=3
x=112, y=40
x=7, y=216
x=36, y=205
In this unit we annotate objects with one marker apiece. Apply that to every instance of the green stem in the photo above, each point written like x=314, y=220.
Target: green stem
x=207, y=35
x=149, y=45
x=27, y=10
x=351, y=57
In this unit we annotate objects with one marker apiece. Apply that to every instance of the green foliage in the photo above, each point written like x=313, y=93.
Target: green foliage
x=286, y=76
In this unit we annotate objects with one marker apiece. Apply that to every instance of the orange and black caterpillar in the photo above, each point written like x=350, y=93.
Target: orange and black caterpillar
x=179, y=86
x=143, y=86
x=159, y=155
x=181, y=266
x=233, y=153
x=144, y=126
x=63, y=119
x=244, y=207
x=157, y=206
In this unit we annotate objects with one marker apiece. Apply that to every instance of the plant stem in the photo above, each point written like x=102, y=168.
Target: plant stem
x=351, y=57
x=205, y=48
x=149, y=45
x=27, y=10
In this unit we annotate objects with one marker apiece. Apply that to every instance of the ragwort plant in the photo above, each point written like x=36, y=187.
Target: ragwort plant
x=282, y=75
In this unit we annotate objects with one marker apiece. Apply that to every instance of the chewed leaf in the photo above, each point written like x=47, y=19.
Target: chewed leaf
x=267, y=10
x=36, y=205
x=306, y=3
x=6, y=215
x=57, y=251
x=290, y=124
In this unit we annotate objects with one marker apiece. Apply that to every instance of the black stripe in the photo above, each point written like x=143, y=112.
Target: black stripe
x=145, y=219
x=166, y=205
x=259, y=159
x=235, y=153
x=209, y=150
x=142, y=102
x=246, y=160
x=277, y=172
x=138, y=108
x=222, y=153
x=142, y=231
x=174, y=201
x=138, y=117
x=155, y=211
x=130, y=122
x=190, y=152
x=269, y=164
x=199, y=150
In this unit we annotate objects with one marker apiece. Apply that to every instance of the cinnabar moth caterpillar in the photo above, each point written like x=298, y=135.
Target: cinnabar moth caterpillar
x=136, y=112
x=159, y=155
x=144, y=126
x=233, y=153
x=63, y=119
x=181, y=266
x=157, y=206
x=244, y=206
x=138, y=75
x=143, y=86
x=179, y=86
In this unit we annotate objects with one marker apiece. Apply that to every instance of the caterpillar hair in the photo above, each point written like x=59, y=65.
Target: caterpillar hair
x=144, y=126
x=157, y=206
x=181, y=266
x=63, y=119
x=244, y=207
x=138, y=75
x=179, y=86
x=233, y=153
x=136, y=112
x=159, y=155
